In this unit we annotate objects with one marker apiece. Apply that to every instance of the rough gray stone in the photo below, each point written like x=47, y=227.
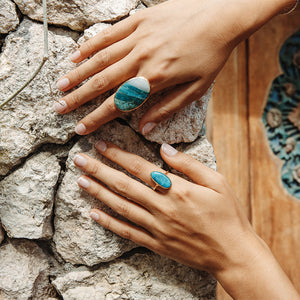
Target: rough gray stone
x=172, y=130
x=1, y=234
x=26, y=198
x=183, y=127
x=24, y=272
x=149, y=3
x=142, y=276
x=78, y=238
x=8, y=16
x=77, y=14
x=201, y=150
x=29, y=120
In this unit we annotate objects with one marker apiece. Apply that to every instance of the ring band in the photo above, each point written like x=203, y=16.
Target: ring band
x=132, y=94
x=161, y=180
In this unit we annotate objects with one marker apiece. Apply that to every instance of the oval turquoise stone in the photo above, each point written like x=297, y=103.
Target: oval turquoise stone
x=132, y=94
x=161, y=179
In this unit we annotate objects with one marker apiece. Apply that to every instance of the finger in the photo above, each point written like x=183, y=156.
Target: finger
x=134, y=164
x=106, y=112
x=120, y=205
x=97, y=85
x=97, y=63
x=170, y=104
x=116, y=180
x=191, y=167
x=125, y=230
x=105, y=38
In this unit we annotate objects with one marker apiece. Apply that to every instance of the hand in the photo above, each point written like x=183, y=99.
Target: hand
x=199, y=223
x=178, y=44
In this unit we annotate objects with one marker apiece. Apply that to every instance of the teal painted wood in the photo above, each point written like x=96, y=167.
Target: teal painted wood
x=132, y=94
x=161, y=179
x=281, y=115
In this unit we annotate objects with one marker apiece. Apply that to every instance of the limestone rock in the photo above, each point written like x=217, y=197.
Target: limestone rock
x=149, y=3
x=24, y=272
x=78, y=238
x=201, y=150
x=77, y=14
x=29, y=120
x=1, y=234
x=8, y=16
x=142, y=276
x=183, y=126
x=26, y=198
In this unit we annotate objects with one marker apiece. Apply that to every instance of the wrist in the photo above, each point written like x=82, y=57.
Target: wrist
x=254, y=273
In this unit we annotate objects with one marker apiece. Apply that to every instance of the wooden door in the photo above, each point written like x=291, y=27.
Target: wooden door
x=244, y=153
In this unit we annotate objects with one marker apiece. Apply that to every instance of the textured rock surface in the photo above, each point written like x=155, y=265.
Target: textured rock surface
x=79, y=239
x=142, y=276
x=24, y=272
x=149, y=3
x=92, y=31
x=172, y=130
x=77, y=14
x=26, y=198
x=29, y=120
x=8, y=16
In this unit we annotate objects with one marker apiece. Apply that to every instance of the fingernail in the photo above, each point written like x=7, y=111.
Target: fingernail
x=94, y=216
x=62, y=83
x=148, y=127
x=75, y=55
x=80, y=161
x=82, y=182
x=101, y=146
x=168, y=149
x=80, y=129
x=60, y=106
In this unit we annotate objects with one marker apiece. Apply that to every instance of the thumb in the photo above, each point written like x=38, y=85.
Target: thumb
x=189, y=166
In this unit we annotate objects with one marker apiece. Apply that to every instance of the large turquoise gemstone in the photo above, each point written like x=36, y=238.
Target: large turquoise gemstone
x=132, y=94
x=161, y=179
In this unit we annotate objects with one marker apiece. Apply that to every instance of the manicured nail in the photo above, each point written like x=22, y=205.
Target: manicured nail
x=148, y=127
x=101, y=146
x=94, y=216
x=62, y=83
x=168, y=149
x=60, y=106
x=75, y=55
x=82, y=182
x=80, y=129
x=80, y=161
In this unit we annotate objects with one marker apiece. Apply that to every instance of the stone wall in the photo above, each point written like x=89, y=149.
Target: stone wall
x=50, y=248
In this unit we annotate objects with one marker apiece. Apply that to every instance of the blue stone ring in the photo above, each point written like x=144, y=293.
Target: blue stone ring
x=161, y=180
x=132, y=94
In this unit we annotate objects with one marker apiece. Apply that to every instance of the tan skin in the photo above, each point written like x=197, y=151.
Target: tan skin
x=179, y=44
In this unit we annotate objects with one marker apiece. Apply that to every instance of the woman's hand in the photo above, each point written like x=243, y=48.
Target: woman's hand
x=199, y=223
x=179, y=44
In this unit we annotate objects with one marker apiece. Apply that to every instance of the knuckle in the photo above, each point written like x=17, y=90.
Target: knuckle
x=74, y=99
x=94, y=170
x=125, y=233
x=122, y=186
x=76, y=75
x=163, y=113
x=182, y=194
x=97, y=193
x=109, y=106
x=106, y=222
x=99, y=83
x=106, y=35
x=89, y=46
x=123, y=209
x=136, y=167
x=102, y=58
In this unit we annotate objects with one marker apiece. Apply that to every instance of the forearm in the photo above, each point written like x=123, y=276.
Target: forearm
x=255, y=274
